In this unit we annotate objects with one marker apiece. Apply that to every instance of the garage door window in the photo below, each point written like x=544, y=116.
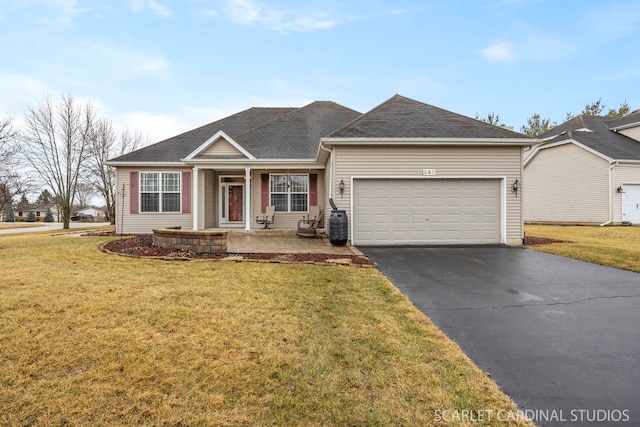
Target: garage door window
x=289, y=193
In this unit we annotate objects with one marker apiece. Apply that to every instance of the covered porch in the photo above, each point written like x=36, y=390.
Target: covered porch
x=231, y=198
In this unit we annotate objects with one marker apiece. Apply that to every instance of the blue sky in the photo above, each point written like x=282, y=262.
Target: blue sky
x=167, y=66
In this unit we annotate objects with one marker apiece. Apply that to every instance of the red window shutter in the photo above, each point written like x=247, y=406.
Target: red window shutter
x=264, y=190
x=186, y=192
x=134, y=199
x=313, y=189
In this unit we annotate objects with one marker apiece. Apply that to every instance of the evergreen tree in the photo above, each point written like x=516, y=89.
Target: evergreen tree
x=49, y=216
x=31, y=217
x=10, y=217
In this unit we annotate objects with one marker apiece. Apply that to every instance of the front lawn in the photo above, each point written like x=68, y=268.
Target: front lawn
x=612, y=246
x=88, y=338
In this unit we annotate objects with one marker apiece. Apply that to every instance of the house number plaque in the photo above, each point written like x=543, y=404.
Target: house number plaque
x=428, y=172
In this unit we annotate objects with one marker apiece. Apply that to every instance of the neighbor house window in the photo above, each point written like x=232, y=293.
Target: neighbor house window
x=159, y=191
x=289, y=193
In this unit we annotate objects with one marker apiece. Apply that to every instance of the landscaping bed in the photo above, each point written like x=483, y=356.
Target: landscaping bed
x=142, y=246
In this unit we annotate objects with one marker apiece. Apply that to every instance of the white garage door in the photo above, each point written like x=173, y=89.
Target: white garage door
x=631, y=203
x=426, y=211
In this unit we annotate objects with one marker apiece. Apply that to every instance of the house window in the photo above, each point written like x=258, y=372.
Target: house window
x=160, y=191
x=289, y=193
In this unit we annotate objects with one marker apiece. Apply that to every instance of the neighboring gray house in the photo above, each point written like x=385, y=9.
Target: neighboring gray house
x=405, y=173
x=586, y=171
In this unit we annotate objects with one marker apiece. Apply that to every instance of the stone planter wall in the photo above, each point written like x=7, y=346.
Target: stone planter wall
x=196, y=241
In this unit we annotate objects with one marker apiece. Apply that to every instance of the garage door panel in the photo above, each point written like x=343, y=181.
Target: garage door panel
x=426, y=211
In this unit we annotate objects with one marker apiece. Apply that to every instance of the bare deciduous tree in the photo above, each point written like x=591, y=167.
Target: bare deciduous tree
x=12, y=182
x=107, y=144
x=492, y=118
x=56, y=139
x=536, y=126
x=84, y=193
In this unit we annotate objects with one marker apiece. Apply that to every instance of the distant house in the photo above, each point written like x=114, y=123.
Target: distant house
x=404, y=173
x=22, y=211
x=91, y=211
x=587, y=170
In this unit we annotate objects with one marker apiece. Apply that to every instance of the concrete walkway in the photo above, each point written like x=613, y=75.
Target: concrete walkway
x=279, y=241
x=48, y=226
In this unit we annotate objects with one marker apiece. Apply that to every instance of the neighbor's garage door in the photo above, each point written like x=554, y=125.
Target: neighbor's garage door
x=631, y=203
x=426, y=211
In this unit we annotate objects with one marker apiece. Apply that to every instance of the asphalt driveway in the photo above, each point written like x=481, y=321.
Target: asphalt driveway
x=560, y=336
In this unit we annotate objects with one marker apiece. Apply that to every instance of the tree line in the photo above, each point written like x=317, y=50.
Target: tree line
x=65, y=145
x=537, y=125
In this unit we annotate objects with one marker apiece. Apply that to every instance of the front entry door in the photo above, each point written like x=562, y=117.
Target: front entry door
x=235, y=197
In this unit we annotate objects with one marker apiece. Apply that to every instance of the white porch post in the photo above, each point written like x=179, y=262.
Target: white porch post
x=247, y=199
x=194, y=193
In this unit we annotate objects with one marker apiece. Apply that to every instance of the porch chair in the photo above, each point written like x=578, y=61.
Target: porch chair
x=267, y=217
x=309, y=224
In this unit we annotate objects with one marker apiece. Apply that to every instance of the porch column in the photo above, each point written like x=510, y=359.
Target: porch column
x=247, y=199
x=195, y=191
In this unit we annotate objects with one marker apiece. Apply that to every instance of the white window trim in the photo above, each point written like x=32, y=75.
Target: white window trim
x=160, y=192
x=289, y=193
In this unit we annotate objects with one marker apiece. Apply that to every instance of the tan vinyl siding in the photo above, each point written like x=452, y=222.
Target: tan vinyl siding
x=221, y=148
x=568, y=184
x=209, y=201
x=409, y=161
x=622, y=174
x=144, y=222
x=283, y=220
x=632, y=133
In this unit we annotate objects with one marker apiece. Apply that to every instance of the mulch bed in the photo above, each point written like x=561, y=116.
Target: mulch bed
x=142, y=246
x=536, y=241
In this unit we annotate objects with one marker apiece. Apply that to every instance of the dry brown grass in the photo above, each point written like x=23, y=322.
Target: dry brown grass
x=617, y=247
x=89, y=338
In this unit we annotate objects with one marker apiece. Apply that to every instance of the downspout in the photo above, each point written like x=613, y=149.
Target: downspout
x=331, y=172
x=610, y=195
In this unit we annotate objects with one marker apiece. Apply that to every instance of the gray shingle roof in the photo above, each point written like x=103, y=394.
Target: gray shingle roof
x=601, y=139
x=266, y=133
x=296, y=135
x=626, y=120
x=401, y=117
x=180, y=146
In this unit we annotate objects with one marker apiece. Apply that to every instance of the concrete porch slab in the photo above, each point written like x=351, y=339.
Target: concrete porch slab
x=280, y=241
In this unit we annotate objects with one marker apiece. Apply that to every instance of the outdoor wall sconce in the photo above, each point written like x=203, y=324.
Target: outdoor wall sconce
x=341, y=187
x=515, y=186
x=620, y=189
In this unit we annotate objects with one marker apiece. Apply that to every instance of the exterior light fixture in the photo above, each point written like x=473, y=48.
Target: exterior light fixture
x=515, y=186
x=620, y=189
x=341, y=187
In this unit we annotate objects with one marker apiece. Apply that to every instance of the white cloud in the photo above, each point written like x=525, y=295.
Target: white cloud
x=157, y=126
x=20, y=89
x=510, y=4
x=57, y=12
x=498, y=52
x=156, y=7
x=251, y=13
x=152, y=64
x=613, y=22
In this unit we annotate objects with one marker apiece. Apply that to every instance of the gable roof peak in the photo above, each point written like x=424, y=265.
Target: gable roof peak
x=402, y=117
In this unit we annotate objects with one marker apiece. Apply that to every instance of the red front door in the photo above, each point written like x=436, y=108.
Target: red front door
x=235, y=202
